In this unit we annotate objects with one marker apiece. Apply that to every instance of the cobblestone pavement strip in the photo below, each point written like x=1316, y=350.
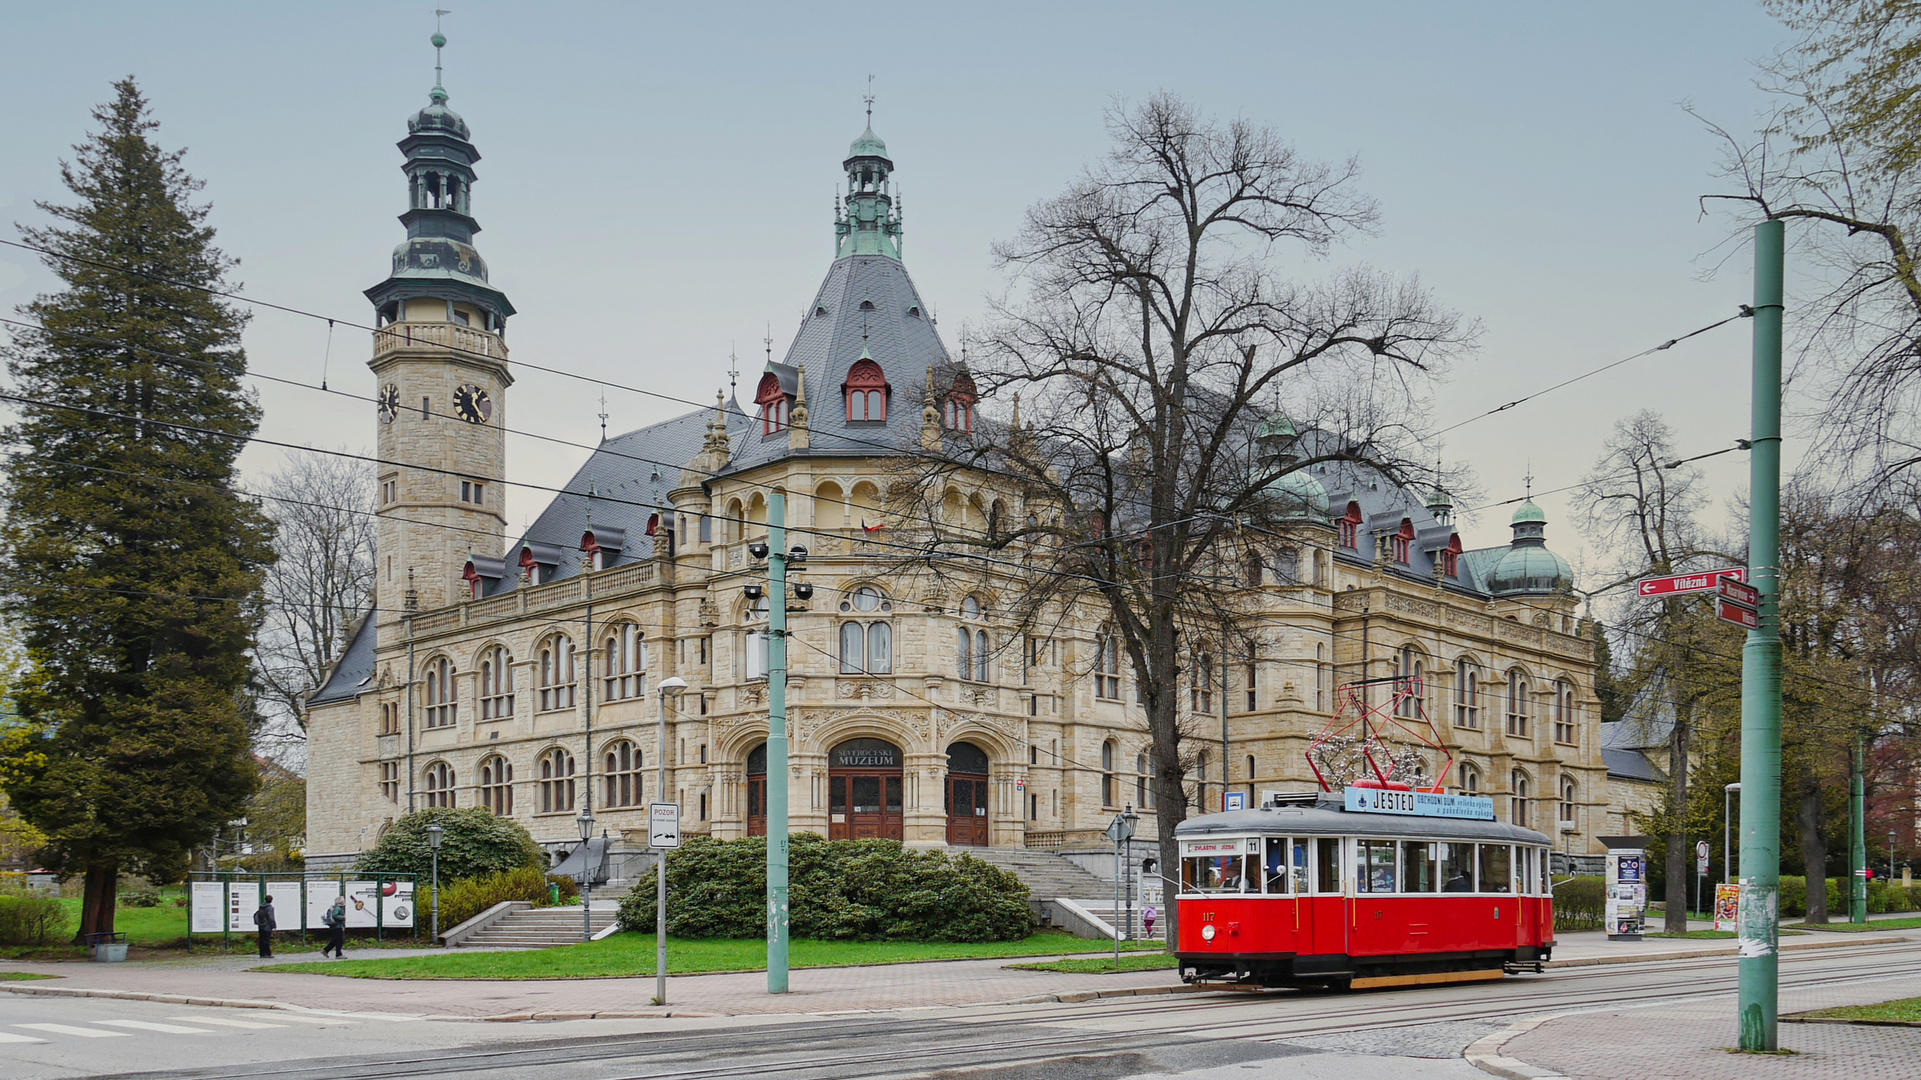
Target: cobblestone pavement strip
x=1692, y=1040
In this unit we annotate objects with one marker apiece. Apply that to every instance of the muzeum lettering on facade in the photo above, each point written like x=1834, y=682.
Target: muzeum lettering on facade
x=518, y=677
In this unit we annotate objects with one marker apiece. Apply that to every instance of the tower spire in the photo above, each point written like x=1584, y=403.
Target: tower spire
x=439, y=93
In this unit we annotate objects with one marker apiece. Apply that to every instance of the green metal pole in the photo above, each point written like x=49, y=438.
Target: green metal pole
x=1858, y=831
x=777, y=743
x=1761, y=667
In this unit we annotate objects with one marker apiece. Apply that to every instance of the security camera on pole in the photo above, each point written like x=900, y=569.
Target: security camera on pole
x=779, y=561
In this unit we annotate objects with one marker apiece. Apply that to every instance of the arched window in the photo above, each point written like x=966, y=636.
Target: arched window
x=773, y=402
x=1142, y=789
x=1517, y=711
x=557, y=673
x=1321, y=678
x=866, y=648
x=1107, y=773
x=965, y=652
x=1350, y=527
x=1567, y=800
x=497, y=786
x=1470, y=780
x=1404, y=543
x=1200, y=690
x=496, y=683
x=1517, y=800
x=439, y=784
x=980, y=656
x=620, y=775
x=1467, y=693
x=438, y=691
x=1200, y=781
x=1565, y=712
x=1107, y=667
x=625, y=667
x=1410, y=666
x=556, y=781
x=866, y=392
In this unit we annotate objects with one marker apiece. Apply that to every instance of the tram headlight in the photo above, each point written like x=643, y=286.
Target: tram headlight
x=1207, y=932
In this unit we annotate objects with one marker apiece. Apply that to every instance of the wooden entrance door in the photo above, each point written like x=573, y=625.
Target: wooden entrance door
x=864, y=806
x=757, y=806
x=967, y=810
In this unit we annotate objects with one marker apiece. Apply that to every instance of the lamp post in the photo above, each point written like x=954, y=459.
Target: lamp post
x=668, y=687
x=1727, y=832
x=1121, y=830
x=434, y=833
x=586, y=823
x=780, y=562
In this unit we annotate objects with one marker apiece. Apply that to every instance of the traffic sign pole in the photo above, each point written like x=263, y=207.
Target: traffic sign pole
x=1759, y=995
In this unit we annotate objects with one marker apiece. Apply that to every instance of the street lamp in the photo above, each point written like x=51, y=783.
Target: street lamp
x=587, y=868
x=1727, y=832
x=1121, y=830
x=434, y=833
x=672, y=686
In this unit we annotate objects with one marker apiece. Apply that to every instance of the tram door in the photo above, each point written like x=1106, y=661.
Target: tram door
x=864, y=791
x=1331, y=903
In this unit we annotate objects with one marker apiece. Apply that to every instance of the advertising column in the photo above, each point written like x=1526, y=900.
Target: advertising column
x=1627, y=887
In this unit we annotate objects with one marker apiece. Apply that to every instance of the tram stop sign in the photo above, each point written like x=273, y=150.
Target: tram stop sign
x=1701, y=857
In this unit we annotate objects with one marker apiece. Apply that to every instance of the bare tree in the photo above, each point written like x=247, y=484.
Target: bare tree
x=1643, y=510
x=323, y=507
x=1151, y=333
x=1842, y=156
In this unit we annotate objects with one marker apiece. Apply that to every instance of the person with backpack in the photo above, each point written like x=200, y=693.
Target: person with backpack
x=337, y=929
x=263, y=918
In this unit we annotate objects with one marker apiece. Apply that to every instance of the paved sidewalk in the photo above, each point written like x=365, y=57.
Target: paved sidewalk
x=1694, y=1041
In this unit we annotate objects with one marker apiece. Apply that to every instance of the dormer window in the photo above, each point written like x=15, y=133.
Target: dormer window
x=1404, y=543
x=958, y=415
x=866, y=389
x=774, y=403
x=1350, y=527
x=868, y=305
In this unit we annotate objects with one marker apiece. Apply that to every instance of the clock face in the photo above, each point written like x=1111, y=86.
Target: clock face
x=388, y=403
x=472, y=404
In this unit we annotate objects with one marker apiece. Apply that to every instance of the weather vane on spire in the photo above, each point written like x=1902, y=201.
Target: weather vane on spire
x=603, y=416
x=769, y=341
x=1529, y=480
x=440, y=41
x=869, y=99
x=733, y=370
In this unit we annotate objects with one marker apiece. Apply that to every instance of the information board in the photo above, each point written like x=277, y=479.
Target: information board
x=1418, y=804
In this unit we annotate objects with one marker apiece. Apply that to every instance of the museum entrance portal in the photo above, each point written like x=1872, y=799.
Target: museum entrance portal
x=966, y=795
x=757, y=791
x=864, y=791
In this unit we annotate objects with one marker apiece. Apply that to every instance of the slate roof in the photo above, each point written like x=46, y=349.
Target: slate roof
x=355, y=670
x=1631, y=765
x=866, y=302
x=621, y=474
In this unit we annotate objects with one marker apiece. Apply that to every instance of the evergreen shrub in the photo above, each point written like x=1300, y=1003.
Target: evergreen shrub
x=462, y=900
x=1580, y=903
x=841, y=890
x=475, y=844
x=28, y=918
x=144, y=896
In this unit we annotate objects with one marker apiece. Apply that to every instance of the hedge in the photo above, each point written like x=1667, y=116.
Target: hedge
x=841, y=890
x=475, y=843
x=462, y=900
x=1883, y=896
x=32, y=919
x=1580, y=904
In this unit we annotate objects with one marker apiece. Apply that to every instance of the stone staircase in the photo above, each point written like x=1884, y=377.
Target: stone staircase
x=1051, y=877
x=538, y=928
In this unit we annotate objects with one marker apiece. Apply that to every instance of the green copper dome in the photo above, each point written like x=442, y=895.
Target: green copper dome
x=868, y=145
x=1276, y=427
x=1529, y=513
x=1302, y=497
x=1529, y=569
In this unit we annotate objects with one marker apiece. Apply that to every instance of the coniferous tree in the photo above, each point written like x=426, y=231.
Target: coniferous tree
x=136, y=596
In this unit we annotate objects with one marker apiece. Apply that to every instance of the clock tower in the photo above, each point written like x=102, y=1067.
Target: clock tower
x=441, y=378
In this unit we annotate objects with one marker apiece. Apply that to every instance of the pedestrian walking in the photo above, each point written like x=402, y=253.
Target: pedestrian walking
x=337, y=929
x=263, y=918
x=1148, y=915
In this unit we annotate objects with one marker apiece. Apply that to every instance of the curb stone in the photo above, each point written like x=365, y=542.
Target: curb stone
x=1703, y=954
x=1485, y=1053
x=187, y=999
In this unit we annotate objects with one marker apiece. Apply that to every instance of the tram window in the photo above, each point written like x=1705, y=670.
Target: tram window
x=1524, y=869
x=1417, y=866
x=1212, y=873
x=1547, y=877
x=1327, y=865
x=1497, y=875
x=1300, y=868
x=1274, y=865
x=1376, y=870
x=1457, y=867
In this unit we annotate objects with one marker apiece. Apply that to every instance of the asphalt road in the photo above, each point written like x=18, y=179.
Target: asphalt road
x=1399, y=1034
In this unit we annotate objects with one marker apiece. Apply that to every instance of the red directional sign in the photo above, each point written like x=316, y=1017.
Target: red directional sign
x=1687, y=583
x=1736, y=614
x=1738, y=594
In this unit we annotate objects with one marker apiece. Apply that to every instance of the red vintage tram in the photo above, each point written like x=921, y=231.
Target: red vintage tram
x=1310, y=892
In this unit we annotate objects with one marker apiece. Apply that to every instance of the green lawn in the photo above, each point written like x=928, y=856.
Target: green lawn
x=1716, y=934
x=625, y=955
x=1862, y=928
x=1904, y=1011
x=22, y=976
x=165, y=927
x=1104, y=965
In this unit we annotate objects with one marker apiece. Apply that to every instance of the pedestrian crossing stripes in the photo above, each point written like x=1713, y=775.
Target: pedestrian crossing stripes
x=275, y=1020
x=10, y=1037
x=221, y=1021
x=77, y=1032
x=148, y=1025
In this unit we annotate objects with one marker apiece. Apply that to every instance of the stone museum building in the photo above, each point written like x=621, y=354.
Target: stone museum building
x=519, y=676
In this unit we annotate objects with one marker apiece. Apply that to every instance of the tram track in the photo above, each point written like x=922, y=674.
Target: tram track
x=935, y=1043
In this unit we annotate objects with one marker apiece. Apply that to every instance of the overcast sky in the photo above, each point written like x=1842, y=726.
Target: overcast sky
x=657, y=181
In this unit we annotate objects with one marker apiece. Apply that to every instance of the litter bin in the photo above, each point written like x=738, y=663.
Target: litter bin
x=110, y=948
